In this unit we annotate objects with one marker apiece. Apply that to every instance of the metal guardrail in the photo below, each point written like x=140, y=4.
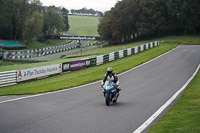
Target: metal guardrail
x=8, y=78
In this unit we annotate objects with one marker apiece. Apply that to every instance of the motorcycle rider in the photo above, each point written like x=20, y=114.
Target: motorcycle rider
x=113, y=77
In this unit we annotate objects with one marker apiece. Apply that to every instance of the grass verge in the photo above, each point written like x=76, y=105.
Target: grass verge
x=184, y=117
x=84, y=76
x=184, y=40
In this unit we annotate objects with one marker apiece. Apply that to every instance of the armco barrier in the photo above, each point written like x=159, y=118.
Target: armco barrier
x=129, y=51
x=132, y=51
x=116, y=54
x=123, y=53
x=106, y=58
x=43, y=51
x=99, y=60
x=8, y=78
x=111, y=56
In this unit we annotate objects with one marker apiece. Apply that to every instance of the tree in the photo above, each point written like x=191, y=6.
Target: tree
x=152, y=18
x=66, y=22
x=118, y=25
x=53, y=22
x=33, y=27
x=104, y=27
x=65, y=12
x=12, y=18
x=18, y=18
x=186, y=15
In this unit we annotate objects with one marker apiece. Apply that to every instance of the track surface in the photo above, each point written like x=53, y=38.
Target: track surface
x=83, y=110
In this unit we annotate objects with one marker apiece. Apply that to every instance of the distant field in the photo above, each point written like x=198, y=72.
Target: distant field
x=83, y=25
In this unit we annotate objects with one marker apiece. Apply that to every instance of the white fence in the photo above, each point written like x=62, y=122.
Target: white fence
x=8, y=78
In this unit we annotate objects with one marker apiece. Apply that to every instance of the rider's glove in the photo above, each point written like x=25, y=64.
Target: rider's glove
x=102, y=83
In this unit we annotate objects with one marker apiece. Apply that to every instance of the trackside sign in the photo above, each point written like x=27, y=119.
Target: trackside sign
x=76, y=65
x=27, y=74
x=73, y=37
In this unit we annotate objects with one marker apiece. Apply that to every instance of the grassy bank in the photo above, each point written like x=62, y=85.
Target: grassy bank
x=184, y=117
x=85, y=76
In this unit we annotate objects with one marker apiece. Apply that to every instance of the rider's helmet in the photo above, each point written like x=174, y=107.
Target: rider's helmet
x=109, y=71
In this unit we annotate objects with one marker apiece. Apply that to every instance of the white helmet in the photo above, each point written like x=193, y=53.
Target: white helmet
x=109, y=70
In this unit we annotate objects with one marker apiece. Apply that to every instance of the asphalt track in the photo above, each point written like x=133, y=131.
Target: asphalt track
x=83, y=110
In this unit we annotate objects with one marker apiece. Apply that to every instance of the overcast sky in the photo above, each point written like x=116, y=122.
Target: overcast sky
x=100, y=5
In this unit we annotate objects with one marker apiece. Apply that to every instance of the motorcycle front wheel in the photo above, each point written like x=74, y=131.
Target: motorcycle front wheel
x=107, y=98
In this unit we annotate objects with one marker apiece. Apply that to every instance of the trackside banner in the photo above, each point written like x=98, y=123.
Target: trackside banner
x=37, y=72
x=75, y=65
x=73, y=37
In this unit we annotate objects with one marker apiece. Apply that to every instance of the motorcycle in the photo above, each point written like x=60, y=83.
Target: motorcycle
x=110, y=92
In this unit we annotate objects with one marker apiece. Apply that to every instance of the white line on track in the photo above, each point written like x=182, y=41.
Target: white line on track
x=26, y=97
x=163, y=107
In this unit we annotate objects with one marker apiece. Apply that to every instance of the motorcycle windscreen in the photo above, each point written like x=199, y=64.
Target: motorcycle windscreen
x=108, y=85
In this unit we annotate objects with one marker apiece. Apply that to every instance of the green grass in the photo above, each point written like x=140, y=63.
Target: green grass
x=83, y=25
x=91, y=41
x=5, y=63
x=37, y=45
x=184, y=117
x=88, y=75
x=185, y=40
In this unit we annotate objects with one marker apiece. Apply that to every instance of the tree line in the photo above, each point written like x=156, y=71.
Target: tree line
x=131, y=20
x=86, y=12
x=28, y=19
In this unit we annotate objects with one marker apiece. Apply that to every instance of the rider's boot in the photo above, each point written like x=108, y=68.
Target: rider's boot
x=118, y=88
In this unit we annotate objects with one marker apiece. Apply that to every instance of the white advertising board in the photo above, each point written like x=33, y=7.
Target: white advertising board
x=31, y=73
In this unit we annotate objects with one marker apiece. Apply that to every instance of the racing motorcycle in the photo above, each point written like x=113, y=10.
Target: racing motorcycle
x=110, y=92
